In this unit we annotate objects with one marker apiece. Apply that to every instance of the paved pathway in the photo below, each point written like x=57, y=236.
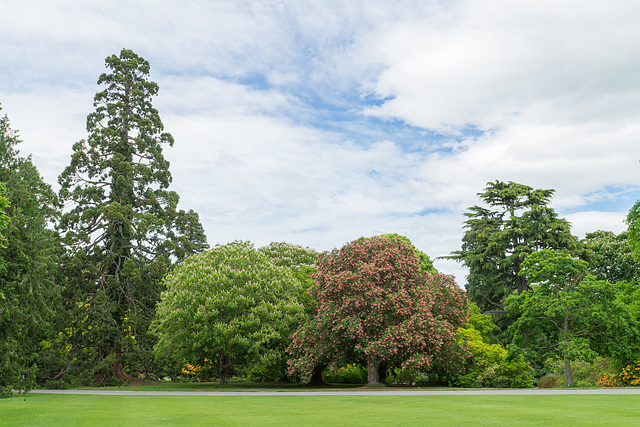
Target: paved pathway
x=532, y=391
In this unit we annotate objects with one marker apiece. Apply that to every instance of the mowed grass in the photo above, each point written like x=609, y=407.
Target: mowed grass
x=87, y=410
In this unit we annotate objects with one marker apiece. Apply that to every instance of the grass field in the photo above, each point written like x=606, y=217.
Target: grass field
x=87, y=410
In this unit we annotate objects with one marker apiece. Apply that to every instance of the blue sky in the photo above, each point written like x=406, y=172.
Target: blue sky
x=318, y=122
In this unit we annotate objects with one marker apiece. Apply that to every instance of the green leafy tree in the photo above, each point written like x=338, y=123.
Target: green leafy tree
x=301, y=261
x=611, y=256
x=122, y=227
x=633, y=229
x=230, y=306
x=29, y=254
x=568, y=313
x=516, y=222
x=376, y=307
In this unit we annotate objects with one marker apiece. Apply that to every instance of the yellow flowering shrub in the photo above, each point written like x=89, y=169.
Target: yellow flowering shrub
x=630, y=374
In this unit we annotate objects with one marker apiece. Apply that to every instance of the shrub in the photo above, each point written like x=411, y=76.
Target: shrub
x=550, y=381
x=350, y=374
x=407, y=376
x=508, y=374
x=608, y=380
x=585, y=374
x=261, y=373
x=630, y=374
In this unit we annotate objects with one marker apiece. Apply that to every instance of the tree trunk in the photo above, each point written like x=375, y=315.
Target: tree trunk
x=382, y=372
x=373, y=376
x=118, y=369
x=224, y=367
x=224, y=375
x=568, y=376
x=316, y=376
x=521, y=282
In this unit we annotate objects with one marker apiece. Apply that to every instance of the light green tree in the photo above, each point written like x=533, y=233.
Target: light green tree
x=611, y=256
x=122, y=228
x=229, y=307
x=567, y=313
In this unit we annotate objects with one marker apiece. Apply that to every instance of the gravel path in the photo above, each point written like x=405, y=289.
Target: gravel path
x=545, y=392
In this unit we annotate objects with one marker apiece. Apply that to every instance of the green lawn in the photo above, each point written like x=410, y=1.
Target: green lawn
x=82, y=410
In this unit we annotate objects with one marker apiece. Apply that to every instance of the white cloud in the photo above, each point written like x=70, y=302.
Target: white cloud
x=269, y=106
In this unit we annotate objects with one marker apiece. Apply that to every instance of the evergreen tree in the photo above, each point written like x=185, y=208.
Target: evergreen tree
x=28, y=263
x=122, y=227
x=516, y=222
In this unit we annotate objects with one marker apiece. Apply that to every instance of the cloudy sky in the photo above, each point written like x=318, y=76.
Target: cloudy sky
x=317, y=122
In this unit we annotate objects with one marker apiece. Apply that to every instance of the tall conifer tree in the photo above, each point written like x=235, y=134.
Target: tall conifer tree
x=122, y=226
x=29, y=251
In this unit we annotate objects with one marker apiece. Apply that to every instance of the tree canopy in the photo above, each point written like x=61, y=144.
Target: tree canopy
x=426, y=264
x=228, y=306
x=567, y=312
x=29, y=253
x=376, y=306
x=611, y=256
x=516, y=222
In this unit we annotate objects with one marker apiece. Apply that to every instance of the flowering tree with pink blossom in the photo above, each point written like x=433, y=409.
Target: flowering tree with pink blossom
x=375, y=306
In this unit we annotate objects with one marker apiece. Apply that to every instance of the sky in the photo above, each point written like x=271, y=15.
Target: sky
x=319, y=122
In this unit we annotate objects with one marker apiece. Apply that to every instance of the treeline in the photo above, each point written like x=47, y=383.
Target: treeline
x=108, y=281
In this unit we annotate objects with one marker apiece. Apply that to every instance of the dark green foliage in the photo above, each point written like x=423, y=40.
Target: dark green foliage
x=28, y=264
x=516, y=222
x=4, y=218
x=122, y=229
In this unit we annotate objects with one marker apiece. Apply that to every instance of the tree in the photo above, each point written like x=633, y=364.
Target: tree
x=567, y=312
x=487, y=364
x=426, y=264
x=375, y=306
x=4, y=204
x=633, y=229
x=611, y=256
x=301, y=262
x=122, y=229
x=228, y=306
x=497, y=239
x=29, y=253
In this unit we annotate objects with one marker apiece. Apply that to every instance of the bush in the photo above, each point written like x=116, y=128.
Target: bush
x=350, y=374
x=585, y=374
x=630, y=374
x=407, y=377
x=260, y=373
x=515, y=374
x=550, y=381
x=608, y=380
